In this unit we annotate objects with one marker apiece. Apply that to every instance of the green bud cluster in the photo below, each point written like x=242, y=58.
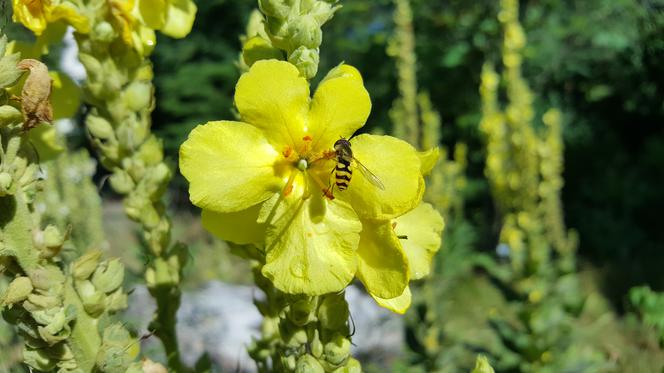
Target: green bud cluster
x=57, y=309
x=302, y=333
x=294, y=27
x=120, y=92
x=70, y=200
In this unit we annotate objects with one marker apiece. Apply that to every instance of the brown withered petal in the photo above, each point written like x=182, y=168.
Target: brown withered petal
x=36, y=93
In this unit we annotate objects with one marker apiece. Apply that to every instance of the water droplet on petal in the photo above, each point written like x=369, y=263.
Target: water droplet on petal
x=297, y=269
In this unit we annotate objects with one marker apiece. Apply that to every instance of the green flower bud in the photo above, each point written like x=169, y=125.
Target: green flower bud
x=103, y=32
x=51, y=241
x=304, y=31
x=108, y=276
x=93, y=300
x=117, y=351
x=293, y=335
x=37, y=302
x=289, y=362
x=99, y=127
x=306, y=61
x=121, y=182
x=274, y=8
x=151, y=152
x=9, y=114
x=92, y=67
x=57, y=328
x=308, y=364
x=48, y=278
x=323, y=11
x=333, y=312
x=337, y=350
x=17, y=291
x=352, y=366
x=86, y=265
x=138, y=95
x=38, y=359
x=302, y=312
x=116, y=301
x=316, y=345
x=5, y=183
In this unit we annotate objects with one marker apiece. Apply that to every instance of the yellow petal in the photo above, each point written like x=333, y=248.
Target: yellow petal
x=399, y=304
x=238, y=227
x=396, y=164
x=428, y=159
x=229, y=165
x=274, y=97
x=311, y=246
x=257, y=48
x=31, y=14
x=341, y=105
x=422, y=227
x=382, y=265
x=153, y=13
x=180, y=18
x=69, y=13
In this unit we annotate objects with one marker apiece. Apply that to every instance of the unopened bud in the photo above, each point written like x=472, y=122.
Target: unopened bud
x=108, y=276
x=5, y=183
x=17, y=291
x=99, y=127
x=274, y=8
x=308, y=364
x=93, y=300
x=86, y=264
x=302, y=312
x=289, y=362
x=116, y=301
x=121, y=182
x=305, y=32
x=9, y=114
x=306, y=61
x=337, y=350
x=138, y=95
x=103, y=32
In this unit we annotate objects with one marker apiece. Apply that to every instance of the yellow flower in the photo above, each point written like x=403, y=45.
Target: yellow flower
x=418, y=234
x=139, y=19
x=262, y=181
x=37, y=14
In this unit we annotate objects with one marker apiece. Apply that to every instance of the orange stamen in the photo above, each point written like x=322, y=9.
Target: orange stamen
x=326, y=191
x=287, y=152
x=288, y=189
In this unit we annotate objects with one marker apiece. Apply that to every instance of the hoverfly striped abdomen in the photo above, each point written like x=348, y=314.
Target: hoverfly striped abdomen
x=343, y=173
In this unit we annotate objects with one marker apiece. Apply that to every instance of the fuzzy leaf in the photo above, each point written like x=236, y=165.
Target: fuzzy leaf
x=9, y=73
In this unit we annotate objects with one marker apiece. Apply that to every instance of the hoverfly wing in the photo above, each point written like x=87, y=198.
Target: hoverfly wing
x=373, y=179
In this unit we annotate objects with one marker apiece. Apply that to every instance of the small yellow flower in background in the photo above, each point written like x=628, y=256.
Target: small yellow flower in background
x=263, y=181
x=139, y=19
x=37, y=14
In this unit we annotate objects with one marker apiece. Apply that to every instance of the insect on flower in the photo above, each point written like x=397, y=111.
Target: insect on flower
x=343, y=172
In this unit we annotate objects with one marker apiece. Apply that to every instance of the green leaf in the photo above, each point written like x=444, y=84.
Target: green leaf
x=9, y=73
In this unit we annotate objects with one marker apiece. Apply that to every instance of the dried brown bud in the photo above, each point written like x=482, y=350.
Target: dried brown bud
x=36, y=93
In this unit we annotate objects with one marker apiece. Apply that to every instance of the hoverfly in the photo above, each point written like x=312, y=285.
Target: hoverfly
x=343, y=171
